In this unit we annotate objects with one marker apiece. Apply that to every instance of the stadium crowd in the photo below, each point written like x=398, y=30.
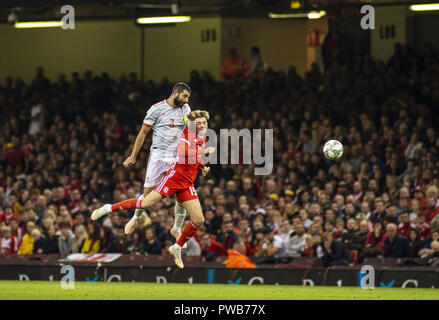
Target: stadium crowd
x=63, y=143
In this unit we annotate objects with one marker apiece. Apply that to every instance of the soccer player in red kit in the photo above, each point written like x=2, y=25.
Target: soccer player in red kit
x=179, y=180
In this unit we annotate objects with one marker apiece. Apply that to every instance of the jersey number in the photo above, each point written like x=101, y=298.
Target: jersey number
x=172, y=123
x=193, y=191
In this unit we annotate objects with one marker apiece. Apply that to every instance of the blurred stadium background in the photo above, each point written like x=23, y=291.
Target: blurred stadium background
x=73, y=100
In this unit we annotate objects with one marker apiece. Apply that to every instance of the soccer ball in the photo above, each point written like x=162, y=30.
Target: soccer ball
x=333, y=149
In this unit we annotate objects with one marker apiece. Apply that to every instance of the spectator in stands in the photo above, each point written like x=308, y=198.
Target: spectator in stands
x=7, y=214
x=349, y=238
x=414, y=243
x=47, y=223
x=228, y=236
x=234, y=66
x=405, y=225
x=109, y=242
x=121, y=243
x=244, y=228
x=272, y=248
x=363, y=232
x=426, y=249
x=315, y=228
x=395, y=245
x=51, y=241
x=374, y=242
x=65, y=238
x=237, y=258
x=39, y=242
x=41, y=205
x=304, y=218
x=423, y=228
x=391, y=216
x=257, y=64
x=285, y=229
x=92, y=243
x=16, y=231
x=210, y=248
x=330, y=226
x=339, y=229
x=350, y=211
x=27, y=244
x=8, y=242
x=80, y=235
x=307, y=143
x=155, y=223
x=295, y=243
x=433, y=257
x=434, y=223
x=151, y=245
x=380, y=211
x=193, y=248
x=308, y=249
x=432, y=209
x=335, y=252
x=273, y=220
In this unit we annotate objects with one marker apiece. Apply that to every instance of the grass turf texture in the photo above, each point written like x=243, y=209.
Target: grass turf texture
x=45, y=290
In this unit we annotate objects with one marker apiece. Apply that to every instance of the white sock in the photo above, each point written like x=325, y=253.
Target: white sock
x=139, y=211
x=179, y=216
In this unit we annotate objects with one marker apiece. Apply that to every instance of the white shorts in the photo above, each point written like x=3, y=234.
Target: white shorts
x=156, y=168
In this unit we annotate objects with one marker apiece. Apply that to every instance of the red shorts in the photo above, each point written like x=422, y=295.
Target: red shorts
x=172, y=183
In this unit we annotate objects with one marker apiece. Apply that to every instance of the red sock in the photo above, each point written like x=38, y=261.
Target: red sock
x=188, y=232
x=126, y=204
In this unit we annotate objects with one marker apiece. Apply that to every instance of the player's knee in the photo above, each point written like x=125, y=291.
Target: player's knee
x=199, y=221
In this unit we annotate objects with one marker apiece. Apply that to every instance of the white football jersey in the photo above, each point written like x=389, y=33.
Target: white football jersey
x=167, y=124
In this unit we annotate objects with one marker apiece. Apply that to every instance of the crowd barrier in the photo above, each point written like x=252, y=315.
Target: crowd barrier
x=161, y=269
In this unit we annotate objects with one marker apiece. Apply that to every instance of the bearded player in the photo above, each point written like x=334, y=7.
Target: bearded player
x=167, y=119
x=179, y=180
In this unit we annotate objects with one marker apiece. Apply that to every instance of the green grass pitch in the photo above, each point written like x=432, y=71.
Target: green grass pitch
x=45, y=290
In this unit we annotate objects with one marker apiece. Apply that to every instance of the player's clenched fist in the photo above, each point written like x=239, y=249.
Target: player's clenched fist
x=205, y=171
x=129, y=162
x=191, y=116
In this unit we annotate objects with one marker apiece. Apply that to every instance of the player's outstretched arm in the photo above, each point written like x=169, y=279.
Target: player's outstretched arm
x=137, y=145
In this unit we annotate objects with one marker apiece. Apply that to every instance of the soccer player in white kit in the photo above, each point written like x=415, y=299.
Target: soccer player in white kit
x=167, y=119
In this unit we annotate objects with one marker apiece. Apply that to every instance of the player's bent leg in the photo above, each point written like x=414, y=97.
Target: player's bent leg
x=147, y=202
x=193, y=207
x=123, y=205
x=151, y=199
x=196, y=214
x=179, y=217
x=107, y=208
x=140, y=211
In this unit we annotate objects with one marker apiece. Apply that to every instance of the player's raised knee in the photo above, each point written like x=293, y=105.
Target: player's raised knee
x=199, y=221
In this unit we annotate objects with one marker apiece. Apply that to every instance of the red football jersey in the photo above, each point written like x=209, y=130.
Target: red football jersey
x=189, y=152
